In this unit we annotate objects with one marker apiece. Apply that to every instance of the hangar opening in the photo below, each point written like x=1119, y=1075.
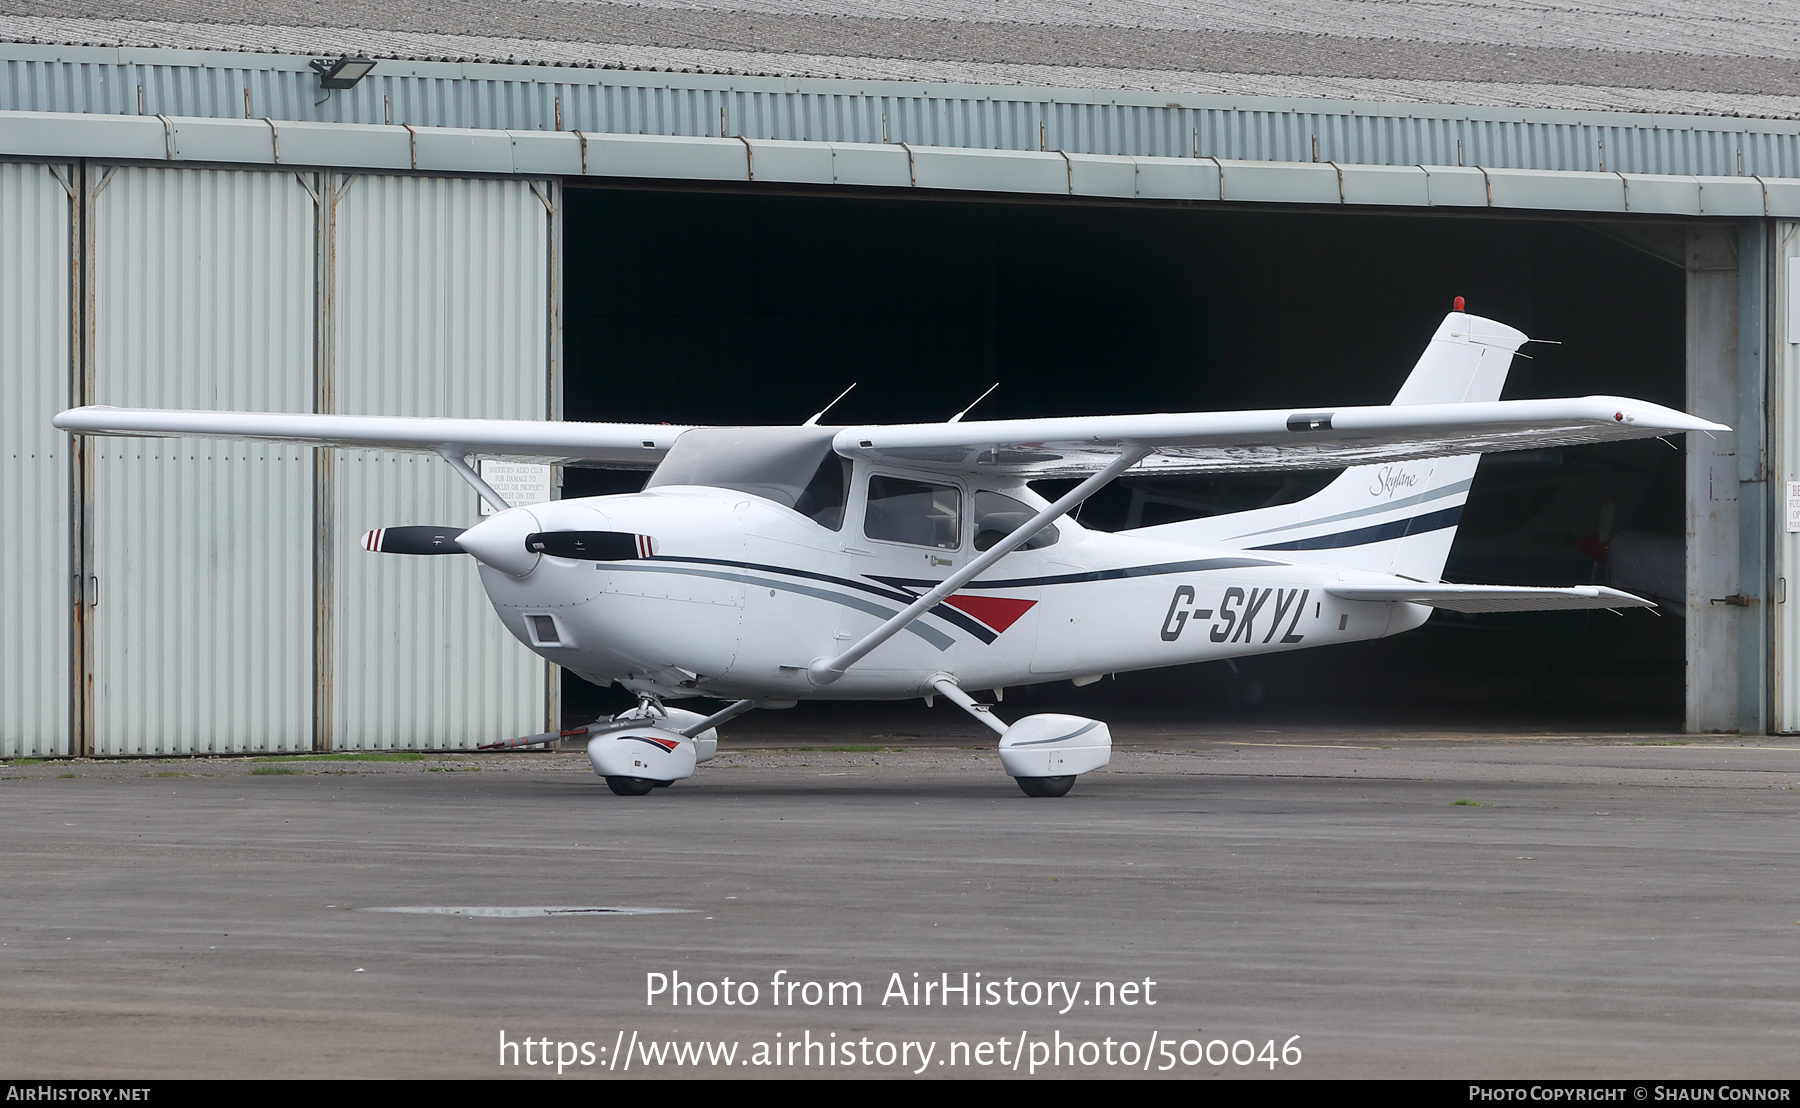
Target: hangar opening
x=748, y=307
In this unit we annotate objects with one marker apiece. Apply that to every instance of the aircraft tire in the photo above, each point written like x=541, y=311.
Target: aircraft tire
x=630, y=786
x=1046, y=786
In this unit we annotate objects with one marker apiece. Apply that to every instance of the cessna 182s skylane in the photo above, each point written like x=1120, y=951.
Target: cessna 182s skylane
x=768, y=565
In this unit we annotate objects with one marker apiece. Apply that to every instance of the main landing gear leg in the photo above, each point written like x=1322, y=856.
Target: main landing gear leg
x=1044, y=753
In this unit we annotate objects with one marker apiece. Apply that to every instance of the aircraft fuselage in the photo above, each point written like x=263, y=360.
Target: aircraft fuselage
x=733, y=596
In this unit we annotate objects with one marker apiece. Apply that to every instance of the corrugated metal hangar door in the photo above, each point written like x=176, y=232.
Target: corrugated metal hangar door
x=36, y=575
x=224, y=602
x=202, y=294
x=1785, y=376
x=442, y=305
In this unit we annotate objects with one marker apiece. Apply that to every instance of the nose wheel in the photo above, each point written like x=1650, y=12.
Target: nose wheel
x=1046, y=786
x=652, y=747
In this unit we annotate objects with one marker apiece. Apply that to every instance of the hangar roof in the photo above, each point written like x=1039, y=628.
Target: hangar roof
x=1705, y=57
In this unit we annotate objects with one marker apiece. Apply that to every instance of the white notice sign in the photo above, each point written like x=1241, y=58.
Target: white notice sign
x=1793, y=506
x=520, y=483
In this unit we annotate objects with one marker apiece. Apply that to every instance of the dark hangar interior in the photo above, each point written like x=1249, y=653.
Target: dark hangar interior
x=745, y=306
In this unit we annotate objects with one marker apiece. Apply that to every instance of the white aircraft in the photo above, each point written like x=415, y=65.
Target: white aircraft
x=768, y=565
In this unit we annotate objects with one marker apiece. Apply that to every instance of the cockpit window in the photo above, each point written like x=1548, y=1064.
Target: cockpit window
x=998, y=516
x=914, y=512
x=793, y=466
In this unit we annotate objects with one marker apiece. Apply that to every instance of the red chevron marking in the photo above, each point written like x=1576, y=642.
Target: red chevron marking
x=998, y=612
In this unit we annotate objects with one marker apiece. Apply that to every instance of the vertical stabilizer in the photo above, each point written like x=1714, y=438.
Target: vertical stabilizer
x=1399, y=517
x=1465, y=362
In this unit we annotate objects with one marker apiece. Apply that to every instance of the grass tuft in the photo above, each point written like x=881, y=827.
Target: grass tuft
x=1469, y=804
x=366, y=756
x=273, y=771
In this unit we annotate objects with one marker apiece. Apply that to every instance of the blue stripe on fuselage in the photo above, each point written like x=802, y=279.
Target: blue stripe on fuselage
x=1381, y=532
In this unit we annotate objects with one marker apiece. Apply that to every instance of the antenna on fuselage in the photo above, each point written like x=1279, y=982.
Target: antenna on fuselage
x=957, y=418
x=814, y=421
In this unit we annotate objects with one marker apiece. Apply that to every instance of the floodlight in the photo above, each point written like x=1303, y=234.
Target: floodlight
x=342, y=73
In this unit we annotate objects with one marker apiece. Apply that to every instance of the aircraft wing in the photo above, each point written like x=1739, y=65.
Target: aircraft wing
x=1290, y=439
x=612, y=445
x=1493, y=598
x=1196, y=442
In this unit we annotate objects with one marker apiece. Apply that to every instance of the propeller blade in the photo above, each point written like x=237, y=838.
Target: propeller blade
x=591, y=546
x=413, y=540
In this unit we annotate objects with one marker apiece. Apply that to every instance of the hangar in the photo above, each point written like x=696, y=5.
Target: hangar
x=189, y=217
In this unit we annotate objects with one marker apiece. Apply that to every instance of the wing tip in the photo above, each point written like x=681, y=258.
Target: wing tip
x=1621, y=598
x=1624, y=409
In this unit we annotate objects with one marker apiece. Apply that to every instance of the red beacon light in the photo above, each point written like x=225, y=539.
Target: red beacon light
x=1458, y=304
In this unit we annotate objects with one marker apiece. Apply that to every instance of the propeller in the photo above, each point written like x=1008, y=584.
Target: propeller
x=413, y=540
x=585, y=546
x=591, y=546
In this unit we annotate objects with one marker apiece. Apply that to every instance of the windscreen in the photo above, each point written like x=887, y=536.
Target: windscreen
x=793, y=466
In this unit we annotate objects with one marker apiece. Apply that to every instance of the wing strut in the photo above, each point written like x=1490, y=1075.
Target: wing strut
x=460, y=464
x=824, y=671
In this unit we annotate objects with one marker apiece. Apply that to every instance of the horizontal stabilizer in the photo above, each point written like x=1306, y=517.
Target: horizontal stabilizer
x=1493, y=598
x=413, y=540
